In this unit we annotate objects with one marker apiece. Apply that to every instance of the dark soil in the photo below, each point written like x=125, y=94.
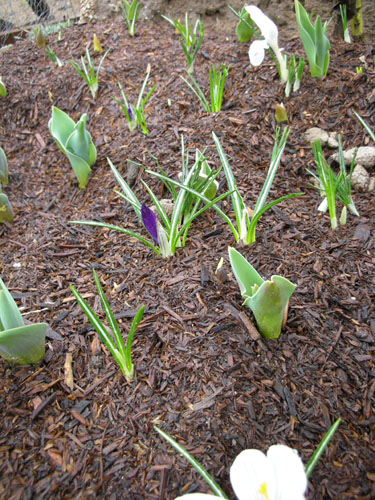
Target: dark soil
x=199, y=374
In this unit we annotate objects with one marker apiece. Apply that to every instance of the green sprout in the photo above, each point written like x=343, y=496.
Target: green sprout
x=130, y=12
x=75, y=142
x=3, y=89
x=314, y=40
x=136, y=116
x=245, y=28
x=19, y=343
x=190, y=40
x=246, y=229
x=88, y=72
x=116, y=345
x=344, y=20
x=267, y=299
x=217, y=84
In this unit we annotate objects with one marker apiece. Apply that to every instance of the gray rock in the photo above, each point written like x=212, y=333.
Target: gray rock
x=326, y=138
x=360, y=178
x=365, y=156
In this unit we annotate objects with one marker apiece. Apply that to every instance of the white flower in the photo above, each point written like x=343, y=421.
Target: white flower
x=256, y=52
x=279, y=475
x=270, y=32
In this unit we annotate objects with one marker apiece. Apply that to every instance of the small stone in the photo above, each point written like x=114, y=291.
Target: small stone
x=314, y=133
x=360, y=178
x=365, y=156
x=332, y=140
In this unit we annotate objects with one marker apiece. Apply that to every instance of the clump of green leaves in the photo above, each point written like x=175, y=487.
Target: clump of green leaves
x=217, y=84
x=295, y=71
x=51, y=54
x=88, y=72
x=136, y=116
x=6, y=209
x=314, y=40
x=169, y=231
x=190, y=39
x=75, y=142
x=115, y=344
x=246, y=228
x=333, y=185
x=19, y=343
x=130, y=12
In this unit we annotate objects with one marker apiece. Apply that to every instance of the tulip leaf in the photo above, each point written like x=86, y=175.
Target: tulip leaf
x=6, y=209
x=244, y=272
x=10, y=315
x=3, y=167
x=24, y=345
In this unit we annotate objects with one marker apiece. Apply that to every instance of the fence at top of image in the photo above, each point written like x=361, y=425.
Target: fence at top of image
x=18, y=16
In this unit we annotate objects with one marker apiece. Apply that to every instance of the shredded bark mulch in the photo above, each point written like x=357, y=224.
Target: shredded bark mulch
x=202, y=374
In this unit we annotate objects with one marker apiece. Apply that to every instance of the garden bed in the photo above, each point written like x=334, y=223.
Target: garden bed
x=200, y=376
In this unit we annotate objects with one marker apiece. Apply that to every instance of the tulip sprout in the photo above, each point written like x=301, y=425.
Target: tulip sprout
x=130, y=12
x=6, y=209
x=75, y=142
x=246, y=229
x=19, y=343
x=217, y=83
x=136, y=116
x=267, y=299
x=245, y=28
x=190, y=40
x=116, y=345
x=88, y=72
x=314, y=40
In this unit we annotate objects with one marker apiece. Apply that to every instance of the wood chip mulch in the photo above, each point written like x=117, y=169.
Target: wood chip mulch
x=202, y=374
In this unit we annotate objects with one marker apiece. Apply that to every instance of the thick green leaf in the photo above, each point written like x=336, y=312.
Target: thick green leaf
x=81, y=169
x=269, y=303
x=244, y=272
x=79, y=141
x=24, y=345
x=60, y=126
x=10, y=315
x=3, y=167
x=6, y=209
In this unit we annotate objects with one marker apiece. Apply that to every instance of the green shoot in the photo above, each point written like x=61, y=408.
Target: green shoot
x=246, y=229
x=190, y=40
x=116, y=345
x=130, y=12
x=136, y=116
x=88, y=72
x=344, y=19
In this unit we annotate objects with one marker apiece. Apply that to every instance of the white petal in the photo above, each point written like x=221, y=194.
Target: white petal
x=290, y=473
x=267, y=27
x=256, y=52
x=196, y=496
x=251, y=471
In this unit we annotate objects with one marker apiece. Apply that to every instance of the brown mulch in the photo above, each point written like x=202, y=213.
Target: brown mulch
x=200, y=375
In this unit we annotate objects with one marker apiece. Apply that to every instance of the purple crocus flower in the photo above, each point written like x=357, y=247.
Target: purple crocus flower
x=149, y=220
x=130, y=112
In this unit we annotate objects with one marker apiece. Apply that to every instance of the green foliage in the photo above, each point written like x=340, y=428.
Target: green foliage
x=314, y=40
x=245, y=28
x=19, y=343
x=246, y=229
x=217, y=84
x=88, y=72
x=136, y=116
x=130, y=12
x=267, y=299
x=115, y=344
x=6, y=209
x=75, y=142
x=190, y=40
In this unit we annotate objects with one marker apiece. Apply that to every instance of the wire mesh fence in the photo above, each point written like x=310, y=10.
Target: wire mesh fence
x=18, y=14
